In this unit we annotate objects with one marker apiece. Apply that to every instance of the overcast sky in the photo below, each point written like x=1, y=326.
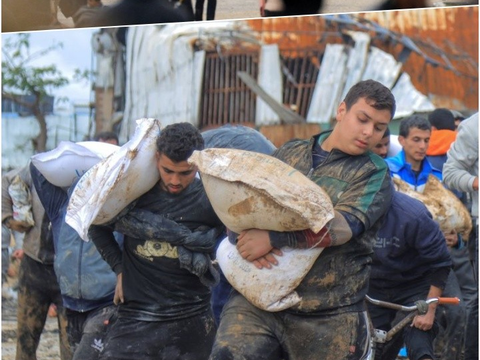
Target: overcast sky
x=76, y=53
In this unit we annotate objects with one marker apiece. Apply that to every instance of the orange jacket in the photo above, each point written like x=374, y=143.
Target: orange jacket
x=440, y=142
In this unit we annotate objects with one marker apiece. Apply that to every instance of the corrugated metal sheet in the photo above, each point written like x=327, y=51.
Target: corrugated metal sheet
x=447, y=38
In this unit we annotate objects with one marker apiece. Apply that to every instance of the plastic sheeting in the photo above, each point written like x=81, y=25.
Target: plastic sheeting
x=409, y=99
x=164, y=76
x=329, y=85
x=343, y=66
x=164, y=73
x=270, y=79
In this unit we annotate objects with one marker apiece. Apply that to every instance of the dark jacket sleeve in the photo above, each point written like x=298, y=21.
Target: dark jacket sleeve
x=144, y=224
x=432, y=247
x=107, y=246
x=438, y=276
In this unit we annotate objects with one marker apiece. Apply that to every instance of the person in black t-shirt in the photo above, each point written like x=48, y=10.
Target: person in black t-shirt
x=165, y=274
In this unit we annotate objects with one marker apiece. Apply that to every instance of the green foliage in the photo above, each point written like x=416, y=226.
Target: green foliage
x=21, y=76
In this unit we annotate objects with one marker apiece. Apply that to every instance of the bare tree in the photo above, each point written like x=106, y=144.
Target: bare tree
x=20, y=77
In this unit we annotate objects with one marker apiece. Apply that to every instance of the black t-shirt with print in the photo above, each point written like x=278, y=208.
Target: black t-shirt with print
x=155, y=287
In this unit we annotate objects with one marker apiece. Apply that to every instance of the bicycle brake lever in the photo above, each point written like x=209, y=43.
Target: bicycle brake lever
x=422, y=307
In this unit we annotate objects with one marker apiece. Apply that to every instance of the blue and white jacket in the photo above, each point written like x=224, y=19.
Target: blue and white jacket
x=86, y=281
x=401, y=169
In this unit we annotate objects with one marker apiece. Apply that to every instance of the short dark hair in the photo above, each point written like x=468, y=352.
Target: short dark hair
x=442, y=119
x=377, y=95
x=106, y=135
x=414, y=121
x=178, y=141
x=386, y=133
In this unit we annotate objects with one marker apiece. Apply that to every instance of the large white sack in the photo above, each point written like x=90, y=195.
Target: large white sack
x=445, y=207
x=69, y=160
x=268, y=289
x=108, y=187
x=252, y=190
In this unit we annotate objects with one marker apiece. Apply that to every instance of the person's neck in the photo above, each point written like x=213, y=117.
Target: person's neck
x=415, y=164
x=328, y=143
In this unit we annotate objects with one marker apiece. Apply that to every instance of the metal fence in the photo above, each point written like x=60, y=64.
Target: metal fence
x=227, y=100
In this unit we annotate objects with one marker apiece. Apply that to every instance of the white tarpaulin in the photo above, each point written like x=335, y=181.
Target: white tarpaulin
x=329, y=85
x=408, y=98
x=164, y=76
x=357, y=60
x=165, y=73
x=270, y=79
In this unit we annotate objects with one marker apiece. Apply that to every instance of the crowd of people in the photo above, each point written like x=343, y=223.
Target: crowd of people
x=142, y=287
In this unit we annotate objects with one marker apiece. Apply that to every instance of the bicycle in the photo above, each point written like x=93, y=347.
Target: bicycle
x=380, y=337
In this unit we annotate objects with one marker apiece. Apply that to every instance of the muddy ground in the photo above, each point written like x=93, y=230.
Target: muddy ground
x=48, y=348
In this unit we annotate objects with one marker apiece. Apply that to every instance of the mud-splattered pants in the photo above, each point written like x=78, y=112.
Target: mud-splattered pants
x=37, y=289
x=183, y=339
x=87, y=331
x=248, y=333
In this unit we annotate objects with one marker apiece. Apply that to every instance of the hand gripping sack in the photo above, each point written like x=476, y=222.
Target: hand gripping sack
x=251, y=190
x=108, y=187
x=69, y=160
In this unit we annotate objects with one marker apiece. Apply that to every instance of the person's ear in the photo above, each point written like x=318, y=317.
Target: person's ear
x=341, y=111
x=401, y=140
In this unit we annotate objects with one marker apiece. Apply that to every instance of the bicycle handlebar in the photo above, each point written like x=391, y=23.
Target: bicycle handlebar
x=420, y=308
x=448, y=300
x=418, y=304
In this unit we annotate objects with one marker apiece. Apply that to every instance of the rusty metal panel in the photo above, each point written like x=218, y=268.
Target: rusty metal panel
x=447, y=37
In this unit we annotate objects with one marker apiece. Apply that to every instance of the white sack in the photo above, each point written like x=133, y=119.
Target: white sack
x=268, y=289
x=108, y=187
x=252, y=190
x=69, y=160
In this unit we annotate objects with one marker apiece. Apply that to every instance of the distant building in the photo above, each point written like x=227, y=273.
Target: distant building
x=19, y=128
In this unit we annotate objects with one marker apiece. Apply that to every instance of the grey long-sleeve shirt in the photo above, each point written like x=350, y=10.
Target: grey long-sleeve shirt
x=461, y=167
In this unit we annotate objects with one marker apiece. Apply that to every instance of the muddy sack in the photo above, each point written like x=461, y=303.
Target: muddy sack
x=252, y=190
x=69, y=160
x=109, y=186
x=249, y=190
x=268, y=289
x=445, y=207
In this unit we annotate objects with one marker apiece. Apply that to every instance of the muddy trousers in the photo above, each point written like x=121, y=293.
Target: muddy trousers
x=182, y=339
x=471, y=334
x=248, y=333
x=37, y=289
x=87, y=331
x=451, y=320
